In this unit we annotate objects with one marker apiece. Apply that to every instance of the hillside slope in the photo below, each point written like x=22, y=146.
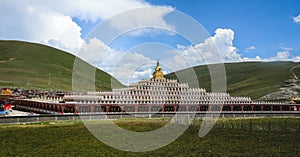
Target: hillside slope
x=36, y=66
x=254, y=79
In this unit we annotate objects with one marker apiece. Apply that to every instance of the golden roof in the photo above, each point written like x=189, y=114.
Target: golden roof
x=158, y=73
x=6, y=92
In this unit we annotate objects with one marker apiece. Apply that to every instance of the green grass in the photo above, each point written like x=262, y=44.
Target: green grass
x=254, y=79
x=29, y=65
x=229, y=137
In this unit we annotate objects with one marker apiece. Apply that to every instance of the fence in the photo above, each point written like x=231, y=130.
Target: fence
x=103, y=116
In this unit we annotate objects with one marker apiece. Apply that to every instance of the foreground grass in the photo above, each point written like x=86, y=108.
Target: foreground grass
x=230, y=137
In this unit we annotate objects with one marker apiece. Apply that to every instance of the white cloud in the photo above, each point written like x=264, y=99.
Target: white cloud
x=258, y=58
x=296, y=19
x=279, y=56
x=127, y=67
x=223, y=39
x=36, y=25
x=95, y=50
x=216, y=49
x=296, y=59
x=137, y=75
x=139, y=18
x=282, y=55
x=50, y=22
x=250, y=48
x=130, y=67
x=255, y=59
x=57, y=30
x=179, y=61
x=287, y=48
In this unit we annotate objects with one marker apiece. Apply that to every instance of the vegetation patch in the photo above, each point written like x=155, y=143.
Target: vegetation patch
x=36, y=66
x=229, y=137
x=253, y=79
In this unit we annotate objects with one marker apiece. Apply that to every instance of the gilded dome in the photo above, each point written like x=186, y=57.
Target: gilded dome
x=158, y=73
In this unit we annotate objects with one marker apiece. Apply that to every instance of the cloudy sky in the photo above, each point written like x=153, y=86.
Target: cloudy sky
x=129, y=45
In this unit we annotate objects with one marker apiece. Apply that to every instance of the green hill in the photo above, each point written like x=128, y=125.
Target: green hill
x=254, y=79
x=35, y=66
x=30, y=66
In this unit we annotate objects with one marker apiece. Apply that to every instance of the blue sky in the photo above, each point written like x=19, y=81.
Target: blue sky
x=241, y=30
x=266, y=25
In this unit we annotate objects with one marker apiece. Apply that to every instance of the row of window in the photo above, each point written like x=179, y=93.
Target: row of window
x=162, y=102
x=162, y=95
x=183, y=108
x=70, y=109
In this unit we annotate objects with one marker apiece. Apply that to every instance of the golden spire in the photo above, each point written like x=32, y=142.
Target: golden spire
x=158, y=74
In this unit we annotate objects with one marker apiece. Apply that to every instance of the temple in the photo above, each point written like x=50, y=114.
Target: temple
x=157, y=94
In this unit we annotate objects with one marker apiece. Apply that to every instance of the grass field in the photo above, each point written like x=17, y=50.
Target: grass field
x=229, y=137
x=35, y=66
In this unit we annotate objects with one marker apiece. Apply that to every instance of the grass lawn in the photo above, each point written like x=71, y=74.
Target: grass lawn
x=229, y=137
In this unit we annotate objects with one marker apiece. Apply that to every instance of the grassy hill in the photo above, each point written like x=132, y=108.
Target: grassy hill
x=254, y=79
x=30, y=65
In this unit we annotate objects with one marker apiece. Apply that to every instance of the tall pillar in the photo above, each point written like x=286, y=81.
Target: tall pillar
x=271, y=108
x=92, y=109
x=76, y=109
x=47, y=107
x=107, y=109
x=280, y=108
x=122, y=109
x=62, y=110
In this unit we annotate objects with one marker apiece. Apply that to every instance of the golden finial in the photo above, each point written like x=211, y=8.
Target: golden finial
x=158, y=74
